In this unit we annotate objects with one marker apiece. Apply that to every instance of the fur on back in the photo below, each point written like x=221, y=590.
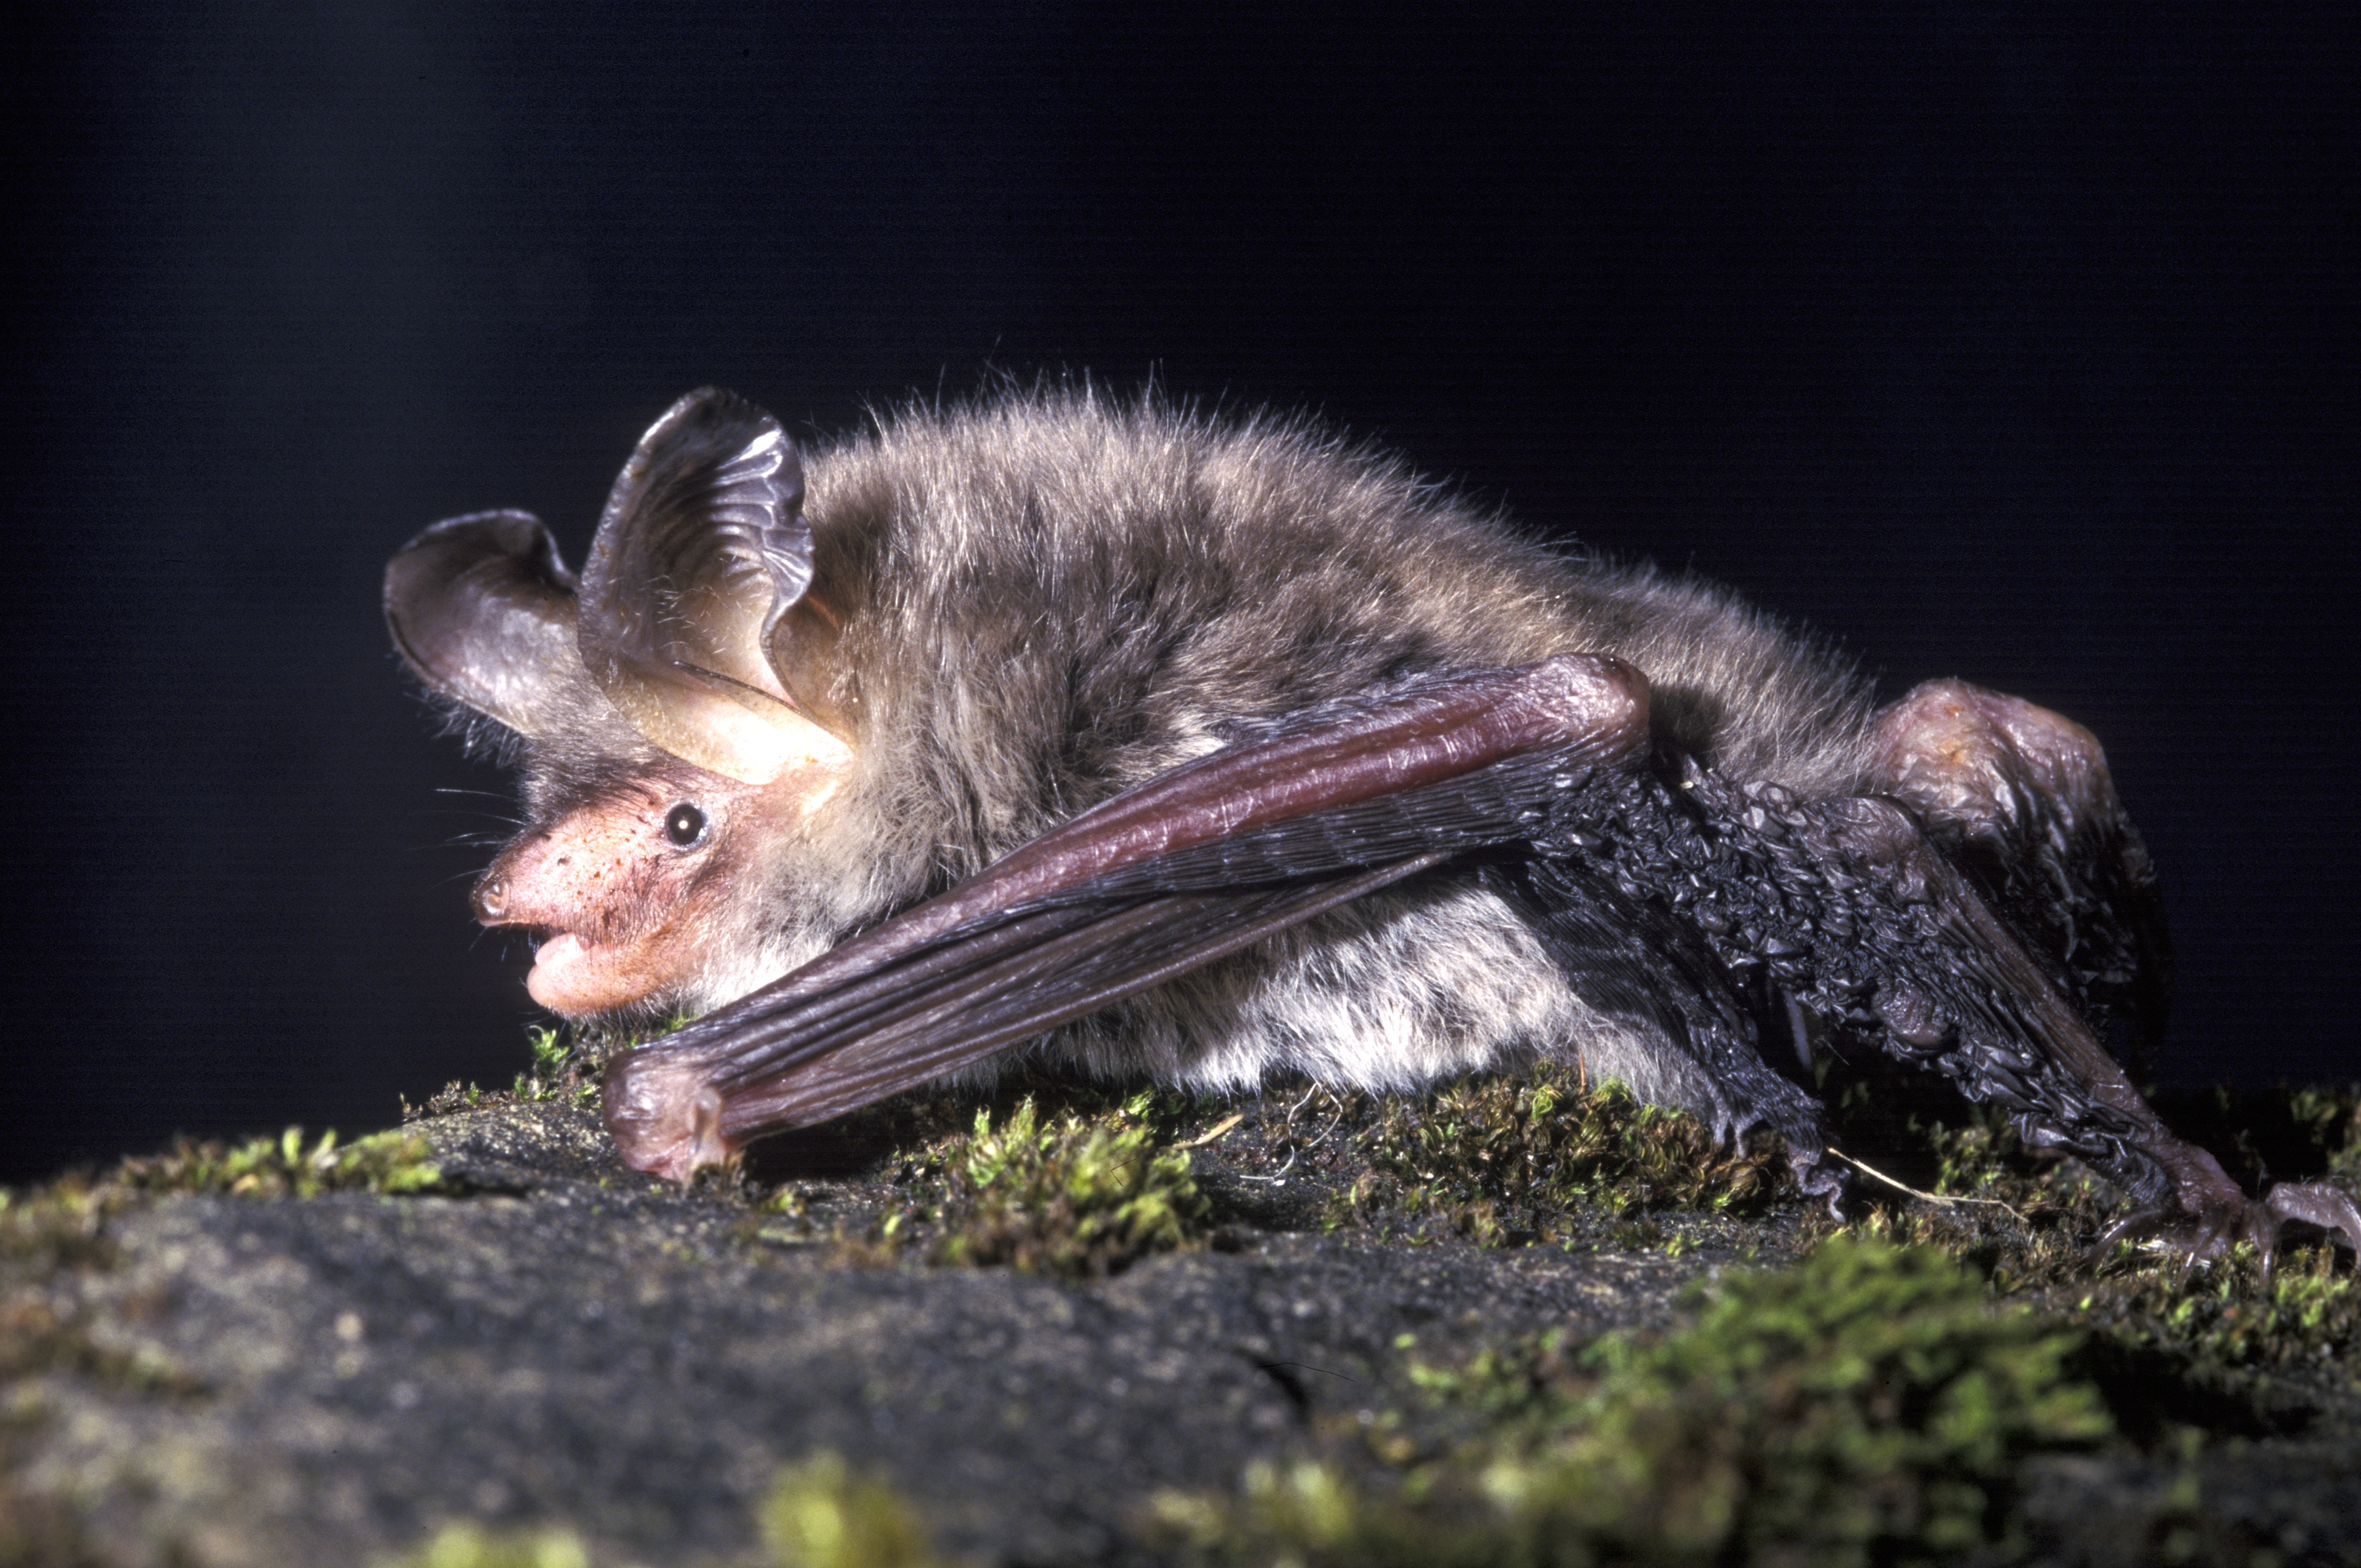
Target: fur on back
x=1053, y=595
x=1050, y=596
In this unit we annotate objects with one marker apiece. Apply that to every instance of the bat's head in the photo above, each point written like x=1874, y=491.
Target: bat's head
x=671, y=704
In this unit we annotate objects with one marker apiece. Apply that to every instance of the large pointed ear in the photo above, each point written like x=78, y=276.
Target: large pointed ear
x=482, y=611
x=701, y=552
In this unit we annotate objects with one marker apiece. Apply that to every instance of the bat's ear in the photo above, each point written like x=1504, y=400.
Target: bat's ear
x=482, y=611
x=701, y=554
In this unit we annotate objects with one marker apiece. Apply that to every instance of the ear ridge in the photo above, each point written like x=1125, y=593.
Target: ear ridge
x=481, y=608
x=700, y=554
x=802, y=648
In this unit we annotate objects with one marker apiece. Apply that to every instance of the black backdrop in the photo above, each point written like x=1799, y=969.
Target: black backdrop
x=2012, y=343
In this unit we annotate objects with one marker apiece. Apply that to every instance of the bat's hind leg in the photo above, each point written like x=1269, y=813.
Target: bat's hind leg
x=2052, y=899
x=2020, y=800
x=1647, y=973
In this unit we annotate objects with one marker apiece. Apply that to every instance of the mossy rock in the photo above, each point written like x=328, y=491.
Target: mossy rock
x=1071, y=1324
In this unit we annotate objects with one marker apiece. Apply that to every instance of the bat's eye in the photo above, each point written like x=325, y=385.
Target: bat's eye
x=684, y=825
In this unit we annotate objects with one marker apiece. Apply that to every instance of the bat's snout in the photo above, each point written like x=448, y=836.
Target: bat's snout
x=491, y=898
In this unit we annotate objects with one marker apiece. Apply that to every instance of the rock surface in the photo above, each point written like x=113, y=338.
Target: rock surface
x=549, y=1338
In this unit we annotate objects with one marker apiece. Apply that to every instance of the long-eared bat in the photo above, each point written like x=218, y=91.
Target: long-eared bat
x=1170, y=746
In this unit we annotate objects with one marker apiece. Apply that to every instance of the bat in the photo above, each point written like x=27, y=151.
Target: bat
x=1093, y=732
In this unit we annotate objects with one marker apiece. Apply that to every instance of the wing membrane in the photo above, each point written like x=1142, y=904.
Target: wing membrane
x=1188, y=867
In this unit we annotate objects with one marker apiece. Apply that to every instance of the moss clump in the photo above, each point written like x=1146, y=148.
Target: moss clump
x=1504, y=1159
x=2304, y=1320
x=471, y=1546
x=1866, y=1406
x=820, y=1513
x=287, y=1166
x=63, y=1223
x=49, y=1234
x=1869, y=1402
x=563, y=1071
x=1085, y=1195
x=2024, y=1222
x=565, y=1068
x=2030, y=1222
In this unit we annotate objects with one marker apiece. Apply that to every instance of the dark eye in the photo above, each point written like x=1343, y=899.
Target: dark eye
x=684, y=825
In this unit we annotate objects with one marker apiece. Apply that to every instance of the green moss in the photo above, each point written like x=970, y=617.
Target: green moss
x=2030, y=1223
x=1086, y=1194
x=471, y=1546
x=563, y=1069
x=1505, y=1158
x=63, y=1225
x=821, y=1513
x=551, y=1054
x=2304, y=1320
x=50, y=1232
x=1869, y=1404
x=2027, y=1223
x=286, y=1166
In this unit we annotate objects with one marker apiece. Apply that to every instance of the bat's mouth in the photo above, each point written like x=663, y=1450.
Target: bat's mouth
x=558, y=948
x=577, y=977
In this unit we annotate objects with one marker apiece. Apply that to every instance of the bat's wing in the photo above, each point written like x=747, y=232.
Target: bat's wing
x=1194, y=865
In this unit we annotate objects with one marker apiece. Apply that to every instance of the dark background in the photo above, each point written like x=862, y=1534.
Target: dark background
x=2012, y=343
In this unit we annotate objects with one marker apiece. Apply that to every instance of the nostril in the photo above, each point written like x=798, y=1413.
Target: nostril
x=491, y=899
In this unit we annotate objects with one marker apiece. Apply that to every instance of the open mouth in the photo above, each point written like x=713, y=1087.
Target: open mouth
x=573, y=975
x=558, y=947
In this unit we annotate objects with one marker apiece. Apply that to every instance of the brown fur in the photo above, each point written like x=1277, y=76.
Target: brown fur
x=1046, y=597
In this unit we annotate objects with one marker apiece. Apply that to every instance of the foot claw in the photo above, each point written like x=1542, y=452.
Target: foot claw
x=2136, y=1226
x=2208, y=1226
x=2318, y=1203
